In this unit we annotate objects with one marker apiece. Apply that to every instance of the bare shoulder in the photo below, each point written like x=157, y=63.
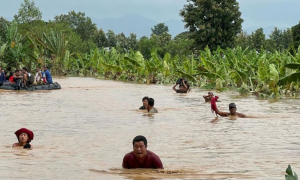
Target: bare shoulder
x=15, y=145
x=241, y=115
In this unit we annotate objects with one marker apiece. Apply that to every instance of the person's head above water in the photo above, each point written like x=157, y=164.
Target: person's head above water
x=138, y=139
x=24, y=135
x=232, y=108
x=145, y=101
x=139, y=146
x=150, y=102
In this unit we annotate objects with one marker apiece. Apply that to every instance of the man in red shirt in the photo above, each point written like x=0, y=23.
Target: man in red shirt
x=140, y=157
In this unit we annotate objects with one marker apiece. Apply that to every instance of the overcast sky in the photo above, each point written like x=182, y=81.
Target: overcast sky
x=260, y=13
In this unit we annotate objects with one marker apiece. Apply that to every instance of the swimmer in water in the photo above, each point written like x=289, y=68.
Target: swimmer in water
x=145, y=103
x=232, y=110
x=150, y=107
x=24, y=137
x=140, y=157
x=183, y=86
x=208, y=97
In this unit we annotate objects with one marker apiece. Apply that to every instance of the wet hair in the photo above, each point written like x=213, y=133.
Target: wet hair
x=232, y=105
x=145, y=98
x=139, y=138
x=24, y=68
x=151, y=102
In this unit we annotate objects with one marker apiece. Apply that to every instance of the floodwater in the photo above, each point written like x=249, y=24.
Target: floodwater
x=84, y=130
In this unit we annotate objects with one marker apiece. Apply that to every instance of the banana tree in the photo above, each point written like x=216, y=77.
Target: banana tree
x=14, y=52
x=57, y=45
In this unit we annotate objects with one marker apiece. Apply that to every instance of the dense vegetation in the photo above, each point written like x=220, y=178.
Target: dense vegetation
x=228, y=58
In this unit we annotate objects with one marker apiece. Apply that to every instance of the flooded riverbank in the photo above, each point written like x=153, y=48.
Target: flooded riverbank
x=84, y=130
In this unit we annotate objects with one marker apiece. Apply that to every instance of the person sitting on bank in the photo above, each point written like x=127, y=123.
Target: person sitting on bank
x=183, y=86
x=145, y=103
x=28, y=78
x=140, y=157
x=11, y=77
x=24, y=137
x=2, y=76
x=232, y=109
x=18, y=78
x=47, y=75
x=150, y=107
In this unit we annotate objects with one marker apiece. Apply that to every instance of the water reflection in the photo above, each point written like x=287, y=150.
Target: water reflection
x=84, y=130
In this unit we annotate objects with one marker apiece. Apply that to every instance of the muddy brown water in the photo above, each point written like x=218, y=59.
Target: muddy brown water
x=84, y=130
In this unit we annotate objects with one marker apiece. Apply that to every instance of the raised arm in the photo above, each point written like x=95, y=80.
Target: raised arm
x=185, y=86
x=174, y=87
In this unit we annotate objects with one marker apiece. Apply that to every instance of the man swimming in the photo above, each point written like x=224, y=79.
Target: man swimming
x=183, y=86
x=140, y=157
x=232, y=109
x=145, y=103
x=150, y=107
x=208, y=97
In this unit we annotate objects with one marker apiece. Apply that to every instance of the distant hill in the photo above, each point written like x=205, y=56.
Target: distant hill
x=141, y=26
x=137, y=24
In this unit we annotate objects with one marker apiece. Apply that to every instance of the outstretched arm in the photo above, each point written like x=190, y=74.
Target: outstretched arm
x=242, y=115
x=223, y=114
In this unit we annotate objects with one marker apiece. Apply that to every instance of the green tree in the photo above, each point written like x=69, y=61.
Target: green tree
x=80, y=23
x=243, y=40
x=28, y=12
x=183, y=35
x=181, y=47
x=132, y=42
x=111, y=39
x=100, y=39
x=159, y=29
x=212, y=22
x=296, y=35
x=122, y=43
x=146, y=45
x=287, y=38
x=275, y=41
x=258, y=39
x=3, y=28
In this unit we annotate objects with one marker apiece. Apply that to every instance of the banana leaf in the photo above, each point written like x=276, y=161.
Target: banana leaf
x=295, y=77
x=293, y=66
x=186, y=75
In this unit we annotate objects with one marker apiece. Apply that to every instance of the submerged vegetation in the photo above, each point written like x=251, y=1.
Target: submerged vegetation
x=290, y=174
x=72, y=45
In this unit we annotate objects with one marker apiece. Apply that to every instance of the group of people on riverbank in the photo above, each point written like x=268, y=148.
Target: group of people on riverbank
x=25, y=78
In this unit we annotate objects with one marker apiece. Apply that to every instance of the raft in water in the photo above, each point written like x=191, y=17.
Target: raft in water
x=51, y=86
